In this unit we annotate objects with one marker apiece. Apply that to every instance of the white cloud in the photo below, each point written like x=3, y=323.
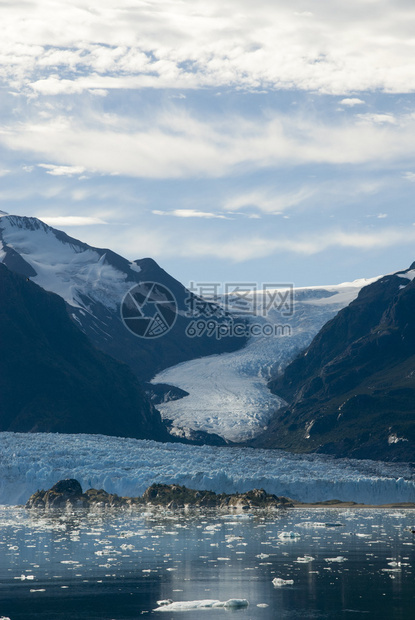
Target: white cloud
x=246, y=248
x=71, y=220
x=340, y=48
x=59, y=171
x=162, y=244
x=409, y=176
x=175, y=144
x=351, y=101
x=378, y=119
x=269, y=201
x=191, y=213
x=317, y=243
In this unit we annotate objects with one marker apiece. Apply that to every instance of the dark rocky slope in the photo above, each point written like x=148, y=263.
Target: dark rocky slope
x=352, y=392
x=53, y=380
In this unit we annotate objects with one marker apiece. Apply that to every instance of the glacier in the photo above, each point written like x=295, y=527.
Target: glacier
x=33, y=461
x=228, y=393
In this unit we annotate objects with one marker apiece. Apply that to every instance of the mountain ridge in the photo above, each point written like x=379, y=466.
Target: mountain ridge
x=352, y=391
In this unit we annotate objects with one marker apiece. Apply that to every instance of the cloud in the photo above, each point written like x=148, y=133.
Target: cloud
x=352, y=101
x=175, y=143
x=191, y=213
x=269, y=201
x=246, y=248
x=378, y=119
x=59, y=171
x=162, y=244
x=71, y=220
x=317, y=243
x=340, y=48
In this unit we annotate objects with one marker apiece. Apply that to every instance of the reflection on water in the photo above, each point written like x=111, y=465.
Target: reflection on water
x=343, y=564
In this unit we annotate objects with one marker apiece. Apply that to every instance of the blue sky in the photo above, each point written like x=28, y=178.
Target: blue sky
x=231, y=141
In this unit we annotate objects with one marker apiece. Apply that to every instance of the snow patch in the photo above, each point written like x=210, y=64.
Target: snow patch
x=408, y=275
x=73, y=271
x=135, y=267
x=393, y=438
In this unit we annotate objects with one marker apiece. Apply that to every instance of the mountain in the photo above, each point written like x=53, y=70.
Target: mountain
x=53, y=380
x=352, y=391
x=94, y=282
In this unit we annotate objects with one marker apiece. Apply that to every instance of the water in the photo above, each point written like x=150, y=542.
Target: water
x=117, y=566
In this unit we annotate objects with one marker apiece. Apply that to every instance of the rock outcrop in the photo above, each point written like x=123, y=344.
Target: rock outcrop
x=67, y=494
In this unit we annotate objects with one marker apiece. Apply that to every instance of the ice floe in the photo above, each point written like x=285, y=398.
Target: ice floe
x=233, y=603
x=278, y=582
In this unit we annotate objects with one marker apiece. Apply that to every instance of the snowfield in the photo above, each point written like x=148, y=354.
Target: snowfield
x=75, y=272
x=228, y=393
x=29, y=462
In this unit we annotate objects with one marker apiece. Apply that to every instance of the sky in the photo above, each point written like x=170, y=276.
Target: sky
x=230, y=140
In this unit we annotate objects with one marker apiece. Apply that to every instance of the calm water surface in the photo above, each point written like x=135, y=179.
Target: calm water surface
x=344, y=564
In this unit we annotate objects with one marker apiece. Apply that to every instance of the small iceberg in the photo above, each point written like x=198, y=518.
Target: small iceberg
x=233, y=603
x=278, y=582
x=284, y=535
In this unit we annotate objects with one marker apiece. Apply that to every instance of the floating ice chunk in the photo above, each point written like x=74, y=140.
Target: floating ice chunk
x=278, y=582
x=339, y=558
x=305, y=560
x=167, y=601
x=262, y=556
x=233, y=603
x=283, y=535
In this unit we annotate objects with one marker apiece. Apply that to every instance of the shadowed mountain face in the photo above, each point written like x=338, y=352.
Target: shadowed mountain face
x=93, y=282
x=51, y=377
x=352, y=392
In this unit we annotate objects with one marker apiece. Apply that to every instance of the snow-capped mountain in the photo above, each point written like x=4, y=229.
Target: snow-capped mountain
x=93, y=282
x=228, y=393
